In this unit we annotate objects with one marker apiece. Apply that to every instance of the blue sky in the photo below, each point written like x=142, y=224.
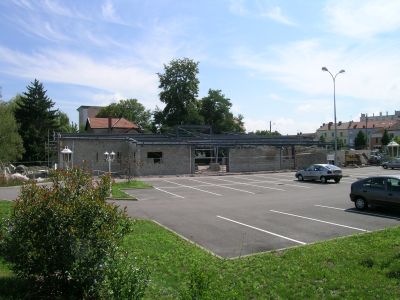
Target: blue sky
x=266, y=56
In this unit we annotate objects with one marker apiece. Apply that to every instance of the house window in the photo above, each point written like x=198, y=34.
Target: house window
x=333, y=134
x=156, y=156
x=118, y=156
x=97, y=156
x=341, y=134
x=377, y=140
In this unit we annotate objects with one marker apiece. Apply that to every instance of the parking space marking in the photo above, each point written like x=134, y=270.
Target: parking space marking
x=317, y=220
x=191, y=187
x=262, y=230
x=361, y=212
x=158, y=189
x=223, y=186
x=262, y=187
x=279, y=181
x=330, y=207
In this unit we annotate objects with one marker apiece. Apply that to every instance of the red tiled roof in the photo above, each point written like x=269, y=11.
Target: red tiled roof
x=102, y=123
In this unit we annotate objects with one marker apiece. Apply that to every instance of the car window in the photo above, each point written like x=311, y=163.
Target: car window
x=375, y=183
x=393, y=184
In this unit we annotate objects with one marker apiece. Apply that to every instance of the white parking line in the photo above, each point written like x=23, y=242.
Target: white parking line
x=191, y=187
x=278, y=181
x=361, y=212
x=169, y=193
x=262, y=187
x=330, y=207
x=262, y=230
x=223, y=186
x=317, y=220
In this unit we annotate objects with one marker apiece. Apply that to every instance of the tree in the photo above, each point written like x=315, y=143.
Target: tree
x=360, y=141
x=63, y=124
x=215, y=110
x=385, y=138
x=11, y=145
x=179, y=88
x=36, y=117
x=129, y=109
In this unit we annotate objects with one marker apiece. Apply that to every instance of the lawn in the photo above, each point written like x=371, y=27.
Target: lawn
x=365, y=266
x=118, y=187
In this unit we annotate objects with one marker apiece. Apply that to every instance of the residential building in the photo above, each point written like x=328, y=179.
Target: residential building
x=110, y=126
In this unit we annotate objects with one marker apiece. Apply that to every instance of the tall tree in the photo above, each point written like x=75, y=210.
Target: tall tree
x=179, y=88
x=11, y=145
x=360, y=142
x=63, y=124
x=215, y=109
x=36, y=117
x=385, y=138
x=130, y=109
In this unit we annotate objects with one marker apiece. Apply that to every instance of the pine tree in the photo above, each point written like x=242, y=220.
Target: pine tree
x=385, y=138
x=36, y=117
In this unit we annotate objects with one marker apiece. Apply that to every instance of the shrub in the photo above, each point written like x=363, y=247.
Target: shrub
x=60, y=236
x=123, y=278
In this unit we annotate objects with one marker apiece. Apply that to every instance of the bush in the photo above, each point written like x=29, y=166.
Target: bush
x=59, y=237
x=123, y=278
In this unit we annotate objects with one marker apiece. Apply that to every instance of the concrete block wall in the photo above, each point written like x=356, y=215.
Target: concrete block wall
x=257, y=158
x=176, y=159
x=305, y=158
x=90, y=153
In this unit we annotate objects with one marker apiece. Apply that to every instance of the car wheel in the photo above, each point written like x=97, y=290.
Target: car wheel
x=323, y=179
x=360, y=203
x=385, y=167
x=300, y=178
x=337, y=180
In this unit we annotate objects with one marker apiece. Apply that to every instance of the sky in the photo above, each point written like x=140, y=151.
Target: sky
x=264, y=55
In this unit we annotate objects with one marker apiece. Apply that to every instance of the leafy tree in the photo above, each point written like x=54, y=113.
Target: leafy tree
x=360, y=142
x=63, y=124
x=385, y=138
x=215, y=109
x=11, y=145
x=322, y=139
x=129, y=109
x=36, y=117
x=179, y=88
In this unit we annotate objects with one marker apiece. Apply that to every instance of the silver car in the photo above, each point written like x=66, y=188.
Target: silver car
x=322, y=172
x=394, y=163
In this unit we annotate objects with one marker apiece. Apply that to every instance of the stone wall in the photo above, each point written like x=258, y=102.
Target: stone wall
x=176, y=159
x=257, y=158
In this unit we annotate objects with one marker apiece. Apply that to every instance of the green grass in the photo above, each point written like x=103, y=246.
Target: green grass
x=118, y=187
x=365, y=266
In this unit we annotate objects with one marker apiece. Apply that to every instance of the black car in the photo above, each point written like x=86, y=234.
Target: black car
x=376, y=190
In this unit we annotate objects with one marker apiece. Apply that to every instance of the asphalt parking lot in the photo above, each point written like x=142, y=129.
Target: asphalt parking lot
x=237, y=215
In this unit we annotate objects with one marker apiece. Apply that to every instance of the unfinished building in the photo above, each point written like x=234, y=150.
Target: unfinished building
x=175, y=154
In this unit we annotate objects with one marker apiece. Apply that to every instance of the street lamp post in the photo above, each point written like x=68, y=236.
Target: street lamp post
x=67, y=154
x=334, y=105
x=109, y=157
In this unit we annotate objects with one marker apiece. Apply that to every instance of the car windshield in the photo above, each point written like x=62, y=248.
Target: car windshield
x=332, y=167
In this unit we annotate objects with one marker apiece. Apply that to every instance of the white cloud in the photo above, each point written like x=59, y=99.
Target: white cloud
x=371, y=70
x=363, y=18
x=110, y=15
x=276, y=14
x=238, y=7
x=117, y=77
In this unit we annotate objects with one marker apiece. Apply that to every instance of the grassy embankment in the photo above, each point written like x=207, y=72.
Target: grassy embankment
x=365, y=266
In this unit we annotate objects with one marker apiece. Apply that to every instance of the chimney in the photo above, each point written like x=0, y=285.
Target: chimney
x=109, y=124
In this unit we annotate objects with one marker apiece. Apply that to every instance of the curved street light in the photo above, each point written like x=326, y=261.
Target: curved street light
x=334, y=105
